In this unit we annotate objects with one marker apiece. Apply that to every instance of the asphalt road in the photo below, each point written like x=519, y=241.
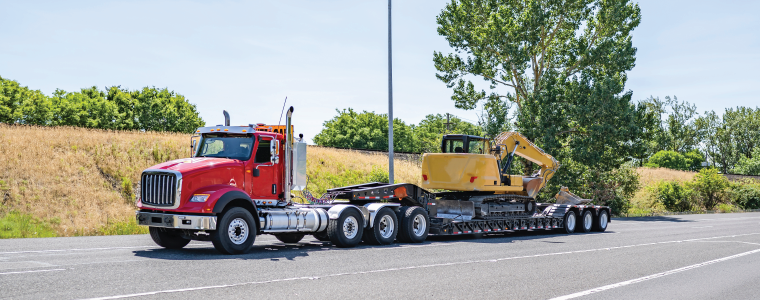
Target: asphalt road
x=679, y=257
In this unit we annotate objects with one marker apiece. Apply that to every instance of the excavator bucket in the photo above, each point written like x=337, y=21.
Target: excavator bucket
x=566, y=197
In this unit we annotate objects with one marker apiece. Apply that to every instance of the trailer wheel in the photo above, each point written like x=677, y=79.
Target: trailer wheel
x=600, y=224
x=167, y=239
x=415, y=224
x=384, y=228
x=289, y=238
x=346, y=231
x=321, y=236
x=587, y=221
x=570, y=222
x=235, y=232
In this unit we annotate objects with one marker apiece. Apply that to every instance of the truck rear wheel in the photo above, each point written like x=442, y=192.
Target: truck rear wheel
x=415, y=224
x=346, y=231
x=235, y=232
x=167, y=239
x=289, y=238
x=384, y=228
x=569, y=222
x=587, y=221
x=600, y=224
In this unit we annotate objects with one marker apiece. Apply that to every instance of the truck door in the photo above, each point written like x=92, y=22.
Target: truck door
x=266, y=185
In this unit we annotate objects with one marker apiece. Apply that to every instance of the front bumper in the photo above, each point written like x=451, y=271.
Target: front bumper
x=176, y=221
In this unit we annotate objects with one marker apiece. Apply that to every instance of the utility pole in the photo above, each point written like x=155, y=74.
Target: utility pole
x=447, y=123
x=390, y=100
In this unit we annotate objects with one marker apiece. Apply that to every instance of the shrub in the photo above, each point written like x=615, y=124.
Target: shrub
x=668, y=159
x=675, y=196
x=711, y=187
x=746, y=194
x=694, y=160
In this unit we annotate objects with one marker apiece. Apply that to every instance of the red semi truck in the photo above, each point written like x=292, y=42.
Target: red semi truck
x=238, y=184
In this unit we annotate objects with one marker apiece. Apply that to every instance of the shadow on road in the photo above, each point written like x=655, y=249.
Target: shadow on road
x=280, y=251
x=652, y=219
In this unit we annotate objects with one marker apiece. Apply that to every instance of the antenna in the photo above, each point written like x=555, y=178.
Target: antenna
x=283, y=110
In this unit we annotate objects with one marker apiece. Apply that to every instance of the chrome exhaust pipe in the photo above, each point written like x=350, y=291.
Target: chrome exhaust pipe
x=226, y=118
x=288, y=155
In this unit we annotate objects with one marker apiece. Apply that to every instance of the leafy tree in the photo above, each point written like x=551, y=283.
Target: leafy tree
x=694, y=160
x=668, y=159
x=711, y=187
x=365, y=130
x=429, y=133
x=563, y=65
x=678, y=129
x=730, y=138
x=749, y=165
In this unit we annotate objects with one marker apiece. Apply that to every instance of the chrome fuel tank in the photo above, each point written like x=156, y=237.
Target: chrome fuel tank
x=280, y=220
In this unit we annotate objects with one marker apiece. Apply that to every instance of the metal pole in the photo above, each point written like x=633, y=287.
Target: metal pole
x=390, y=101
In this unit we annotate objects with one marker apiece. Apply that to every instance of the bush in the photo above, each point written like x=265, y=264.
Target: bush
x=668, y=159
x=694, y=160
x=711, y=187
x=674, y=195
x=746, y=194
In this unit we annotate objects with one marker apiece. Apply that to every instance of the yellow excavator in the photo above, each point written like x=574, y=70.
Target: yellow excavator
x=475, y=164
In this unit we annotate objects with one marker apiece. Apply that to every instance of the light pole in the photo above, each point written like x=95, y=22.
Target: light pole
x=390, y=101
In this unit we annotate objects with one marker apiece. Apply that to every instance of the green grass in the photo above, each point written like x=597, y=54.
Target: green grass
x=17, y=225
x=123, y=228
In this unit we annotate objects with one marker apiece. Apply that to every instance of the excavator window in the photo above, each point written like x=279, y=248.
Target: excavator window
x=453, y=146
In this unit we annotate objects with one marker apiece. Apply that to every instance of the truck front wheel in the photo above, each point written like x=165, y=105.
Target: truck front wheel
x=235, y=232
x=346, y=231
x=167, y=239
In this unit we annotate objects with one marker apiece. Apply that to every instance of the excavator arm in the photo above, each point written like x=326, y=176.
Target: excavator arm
x=508, y=144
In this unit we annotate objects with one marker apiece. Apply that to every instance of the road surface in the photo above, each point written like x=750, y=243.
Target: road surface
x=678, y=257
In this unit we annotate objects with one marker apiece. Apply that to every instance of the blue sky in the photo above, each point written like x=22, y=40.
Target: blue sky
x=247, y=56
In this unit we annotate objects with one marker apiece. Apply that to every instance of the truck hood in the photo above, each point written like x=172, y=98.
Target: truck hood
x=196, y=164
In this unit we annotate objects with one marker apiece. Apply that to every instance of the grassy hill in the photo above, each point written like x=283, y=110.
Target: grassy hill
x=65, y=181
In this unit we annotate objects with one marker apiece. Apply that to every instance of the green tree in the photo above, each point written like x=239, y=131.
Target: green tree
x=694, y=160
x=748, y=165
x=429, y=133
x=365, y=130
x=678, y=129
x=563, y=65
x=668, y=159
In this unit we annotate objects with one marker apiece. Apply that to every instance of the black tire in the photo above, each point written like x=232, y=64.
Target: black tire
x=384, y=228
x=240, y=222
x=289, y=238
x=414, y=224
x=322, y=236
x=352, y=221
x=167, y=239
x=586, y=222
x=601, y=221
x=569, y=219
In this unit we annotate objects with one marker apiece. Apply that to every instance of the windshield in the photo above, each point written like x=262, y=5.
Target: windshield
x=234, y=147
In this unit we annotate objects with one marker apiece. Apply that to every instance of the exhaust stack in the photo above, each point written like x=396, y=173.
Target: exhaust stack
x=226, y=118
x=288, y=155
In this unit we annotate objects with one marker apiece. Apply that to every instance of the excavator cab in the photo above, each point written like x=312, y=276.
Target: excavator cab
x=458, y=143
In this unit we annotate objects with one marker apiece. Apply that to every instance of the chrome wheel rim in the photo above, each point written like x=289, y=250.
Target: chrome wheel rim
x=386, y=226
x=587, y=221
x=570, y=221
x=238, y=231
x=603, y=220
x=350, y=227
x=419, y=225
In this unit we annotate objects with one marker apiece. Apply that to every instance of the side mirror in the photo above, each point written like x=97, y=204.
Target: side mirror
x=192, y=146
x=256, y=173
x=274, y=159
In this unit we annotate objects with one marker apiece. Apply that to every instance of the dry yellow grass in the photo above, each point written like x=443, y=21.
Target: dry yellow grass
x=81, y=181
x=78, y=180
x=643, y=201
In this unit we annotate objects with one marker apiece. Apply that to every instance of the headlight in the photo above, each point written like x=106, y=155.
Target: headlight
x=199, y=198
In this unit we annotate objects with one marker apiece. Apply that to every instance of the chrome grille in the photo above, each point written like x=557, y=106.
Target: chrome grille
x=160, y=188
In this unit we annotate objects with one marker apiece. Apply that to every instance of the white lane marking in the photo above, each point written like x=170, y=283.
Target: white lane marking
x=34, y=271
x=407, y=268
x=75, y=249
x=653, y=276
x=702, y=226
x=740, y=242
